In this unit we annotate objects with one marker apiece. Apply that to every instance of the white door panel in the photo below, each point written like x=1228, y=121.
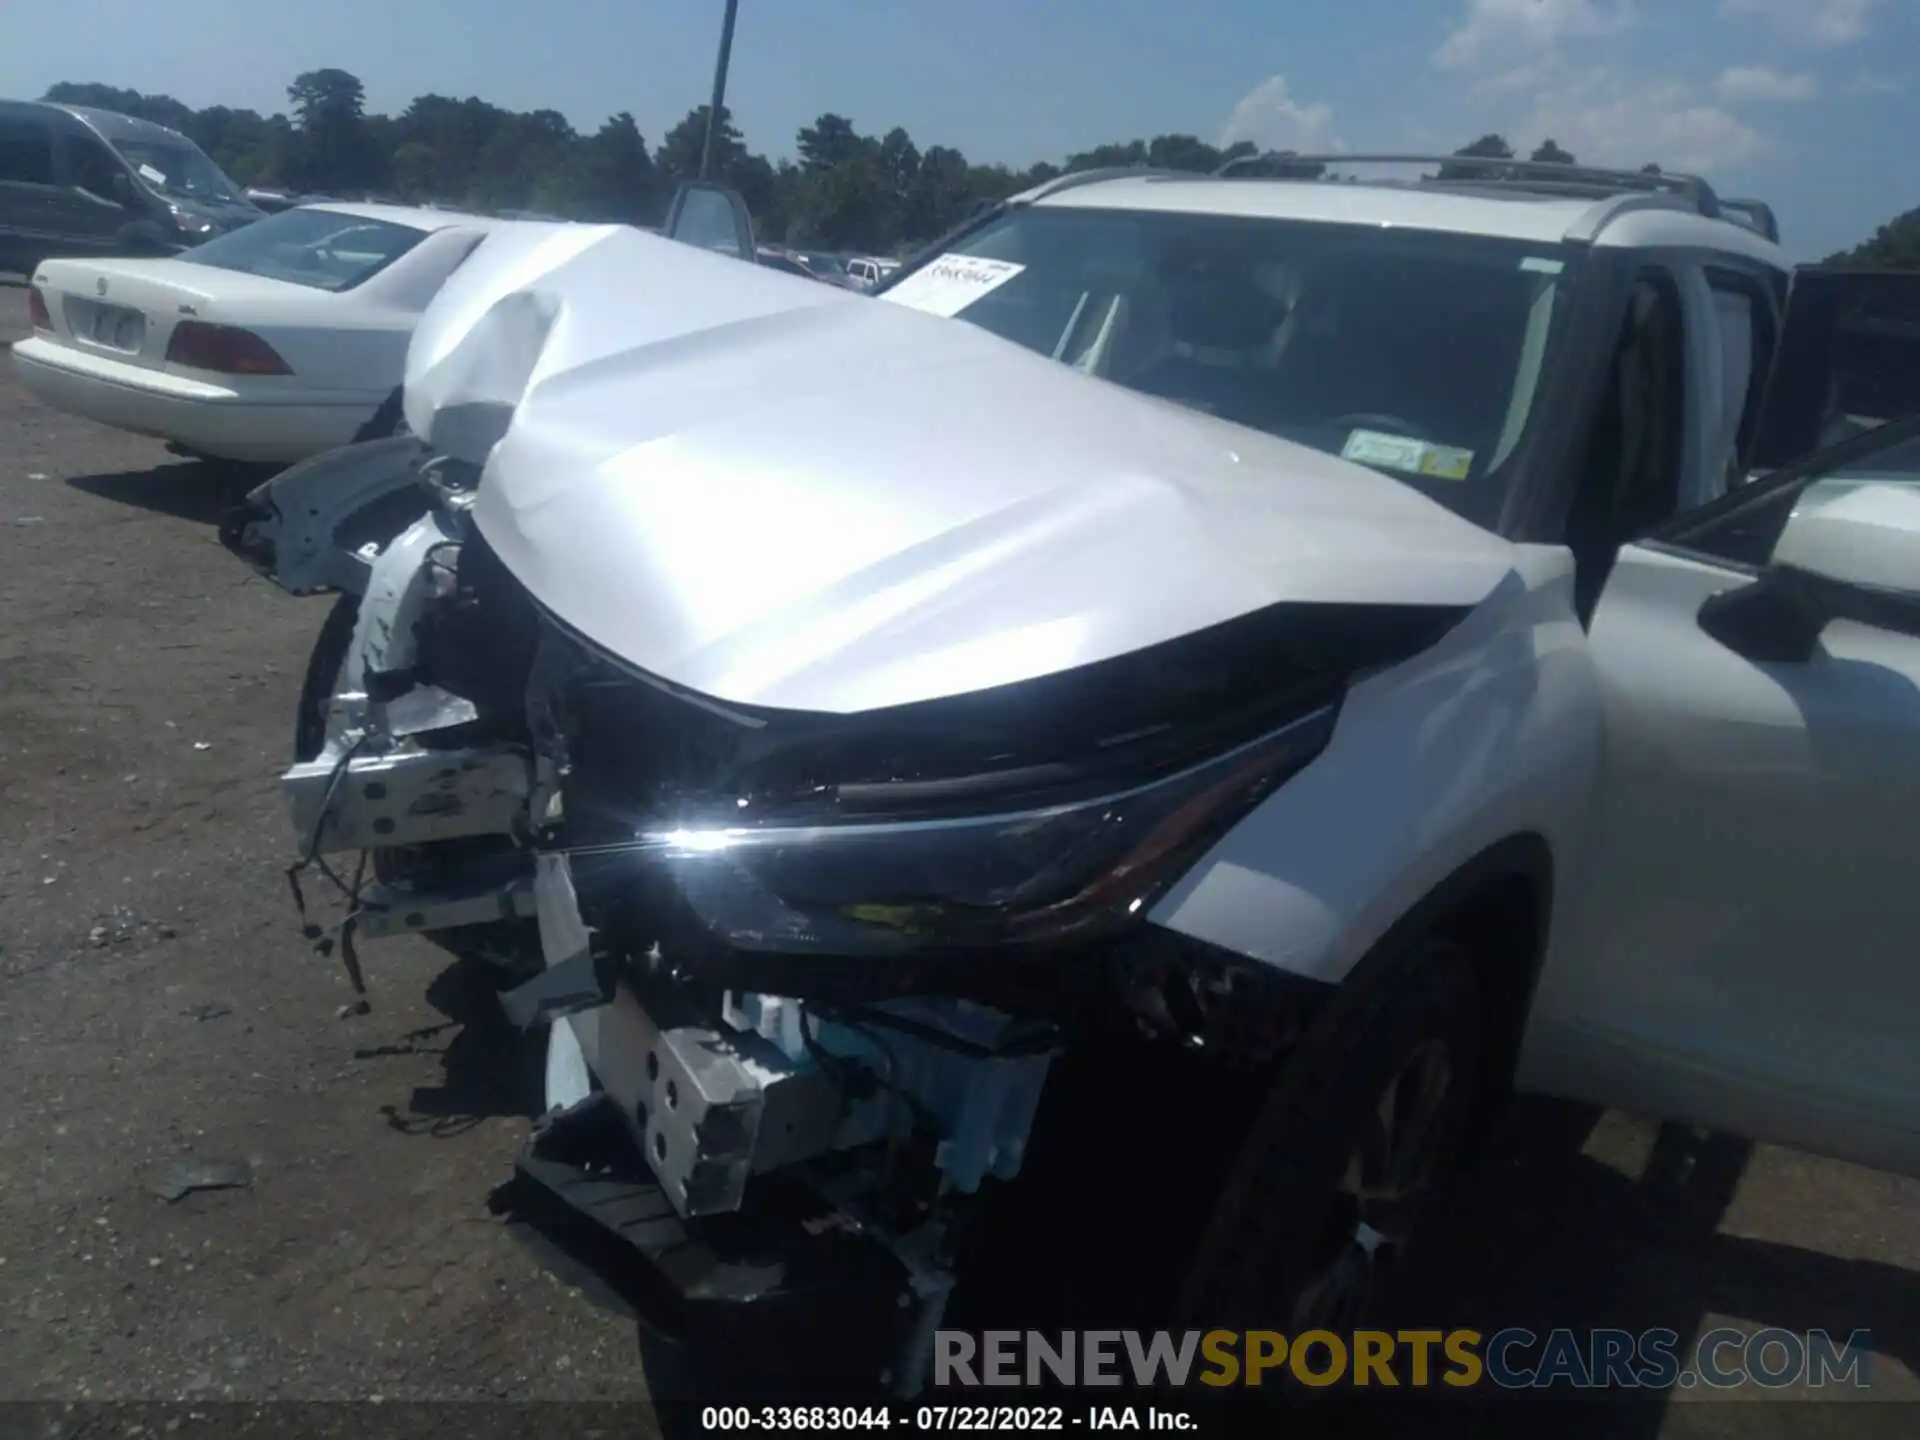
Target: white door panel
x=1745, y=949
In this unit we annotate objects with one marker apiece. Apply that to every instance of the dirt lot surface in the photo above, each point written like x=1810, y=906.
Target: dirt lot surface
x=158, y=1005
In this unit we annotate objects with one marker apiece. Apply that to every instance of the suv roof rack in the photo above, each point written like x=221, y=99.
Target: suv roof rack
x=1073, y=179
x=1543, y=176
x=1755, y=214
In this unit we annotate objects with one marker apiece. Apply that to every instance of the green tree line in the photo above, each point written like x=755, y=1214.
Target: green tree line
x=842, y=189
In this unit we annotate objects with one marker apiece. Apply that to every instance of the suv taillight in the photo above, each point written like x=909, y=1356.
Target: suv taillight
x=224, y=349
x=37, y=311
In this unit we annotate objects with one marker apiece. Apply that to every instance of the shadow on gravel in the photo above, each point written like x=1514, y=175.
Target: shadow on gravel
x=1542, y=1236
x=197, y=490
x=490, y=1068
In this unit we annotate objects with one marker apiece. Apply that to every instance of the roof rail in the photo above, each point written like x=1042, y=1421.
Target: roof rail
x=1755, y=215
x=1502, y=170
x=1073, y=179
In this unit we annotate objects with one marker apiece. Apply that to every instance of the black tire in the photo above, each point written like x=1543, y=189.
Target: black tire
x=1286, y=1237
x=324, y=663
x=502, y=944
x=389, y=420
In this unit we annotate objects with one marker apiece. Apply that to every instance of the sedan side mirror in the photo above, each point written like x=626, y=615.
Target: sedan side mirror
x=1849, y=551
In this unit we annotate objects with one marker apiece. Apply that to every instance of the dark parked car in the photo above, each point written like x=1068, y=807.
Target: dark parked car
x=82, y=182
x=810, y=265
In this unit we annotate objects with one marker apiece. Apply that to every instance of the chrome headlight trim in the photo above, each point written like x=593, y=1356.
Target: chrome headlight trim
x=1036, y=877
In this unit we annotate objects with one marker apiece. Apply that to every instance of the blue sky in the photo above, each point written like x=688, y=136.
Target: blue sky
x=1808, y=103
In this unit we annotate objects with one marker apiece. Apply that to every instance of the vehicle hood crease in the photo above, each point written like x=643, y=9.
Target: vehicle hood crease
x=780, y=494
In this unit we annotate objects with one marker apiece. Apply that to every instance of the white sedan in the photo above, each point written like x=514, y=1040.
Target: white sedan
x=273, y=343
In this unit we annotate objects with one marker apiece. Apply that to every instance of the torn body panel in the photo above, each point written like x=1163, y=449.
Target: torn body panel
x=317, y=526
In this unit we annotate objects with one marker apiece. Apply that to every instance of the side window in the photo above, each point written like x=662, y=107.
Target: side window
x=1746, y=526
x=1842, y=408
x=90, y=167
x=1629, y=480
x=1849, y=361
x=1745, y=325
x=26, y=150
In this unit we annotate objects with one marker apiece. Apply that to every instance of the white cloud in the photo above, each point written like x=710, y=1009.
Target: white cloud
x=1494, y=28
x=1868, y=83
x=1744, y=84
x=1271, y=118
x=1606, y=116
x=1819, y=24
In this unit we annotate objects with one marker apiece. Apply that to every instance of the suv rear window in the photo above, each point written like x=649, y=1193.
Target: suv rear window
x=321, y=249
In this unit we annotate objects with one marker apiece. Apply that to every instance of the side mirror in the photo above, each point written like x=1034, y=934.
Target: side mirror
x=711, y=217
x=1849, y=551
x=1859, y=530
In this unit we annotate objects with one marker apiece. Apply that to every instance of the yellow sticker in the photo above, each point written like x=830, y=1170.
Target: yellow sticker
x=1445, y=462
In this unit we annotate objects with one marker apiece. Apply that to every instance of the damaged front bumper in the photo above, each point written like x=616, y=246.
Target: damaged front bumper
x=794, y=986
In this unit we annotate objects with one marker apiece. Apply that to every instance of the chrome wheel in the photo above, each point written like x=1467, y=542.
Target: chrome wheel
x=1388, y=1175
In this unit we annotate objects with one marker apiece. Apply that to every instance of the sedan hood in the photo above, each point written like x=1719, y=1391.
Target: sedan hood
x=780, y=494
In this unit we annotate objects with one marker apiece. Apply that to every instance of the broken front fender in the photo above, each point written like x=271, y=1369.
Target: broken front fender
x=318, y=525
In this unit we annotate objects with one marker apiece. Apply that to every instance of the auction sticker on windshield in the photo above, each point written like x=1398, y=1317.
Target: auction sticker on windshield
x=950, y=284
x=1403, y=452
x=152, y=174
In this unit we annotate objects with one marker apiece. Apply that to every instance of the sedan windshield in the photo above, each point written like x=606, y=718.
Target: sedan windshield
x=1418, y=353
x=321, y=249
x=177, y=168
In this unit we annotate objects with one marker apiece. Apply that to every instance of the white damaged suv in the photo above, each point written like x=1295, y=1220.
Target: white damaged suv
x=1204, y=679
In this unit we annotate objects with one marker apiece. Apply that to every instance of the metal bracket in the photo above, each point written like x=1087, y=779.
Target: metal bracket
x=413, y=798
x=401, y=910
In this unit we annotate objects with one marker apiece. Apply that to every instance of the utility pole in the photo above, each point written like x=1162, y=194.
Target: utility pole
x=715, y=110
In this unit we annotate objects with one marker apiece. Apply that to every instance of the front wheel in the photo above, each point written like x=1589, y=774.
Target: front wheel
x=325, y=663
x=1357, y=1133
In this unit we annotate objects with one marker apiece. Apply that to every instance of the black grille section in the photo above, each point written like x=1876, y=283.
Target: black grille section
x=480, y=640
x=639, y=755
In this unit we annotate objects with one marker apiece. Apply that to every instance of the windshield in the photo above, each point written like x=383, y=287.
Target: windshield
x=322, y=249
x=174, y=167
x=1417, y=353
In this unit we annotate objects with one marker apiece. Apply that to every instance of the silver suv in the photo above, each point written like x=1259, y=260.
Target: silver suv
x=1250, y=669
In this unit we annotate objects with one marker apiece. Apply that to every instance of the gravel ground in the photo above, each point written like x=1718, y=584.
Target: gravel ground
x=157, y=1005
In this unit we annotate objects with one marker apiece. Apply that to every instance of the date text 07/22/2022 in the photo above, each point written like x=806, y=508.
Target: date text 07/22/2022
x=933, y=1419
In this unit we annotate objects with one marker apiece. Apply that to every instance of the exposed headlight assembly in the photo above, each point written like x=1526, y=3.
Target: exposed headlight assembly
x=1038, y=815
x=1014, y=877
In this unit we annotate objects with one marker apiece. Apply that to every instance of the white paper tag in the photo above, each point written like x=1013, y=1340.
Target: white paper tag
x=948, y=285
x=152, y=174
x=1402, y=452
x=1376, y=447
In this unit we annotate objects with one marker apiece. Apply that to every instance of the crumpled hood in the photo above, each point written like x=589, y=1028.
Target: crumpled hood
x=781, y=494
